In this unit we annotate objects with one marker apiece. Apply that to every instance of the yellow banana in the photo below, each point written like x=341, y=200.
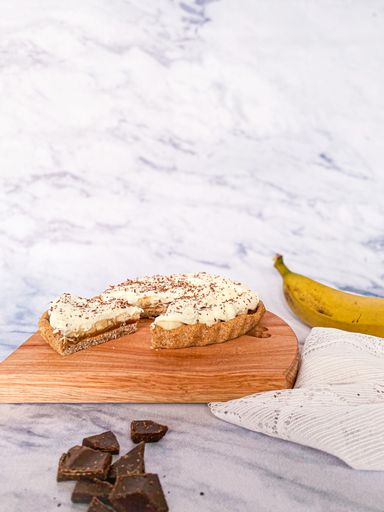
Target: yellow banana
x=322, y=306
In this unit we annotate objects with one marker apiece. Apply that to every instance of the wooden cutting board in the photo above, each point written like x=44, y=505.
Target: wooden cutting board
x=127, y=370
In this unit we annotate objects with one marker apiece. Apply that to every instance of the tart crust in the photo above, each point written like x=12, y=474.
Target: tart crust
x=200, y=335
x=66, y=346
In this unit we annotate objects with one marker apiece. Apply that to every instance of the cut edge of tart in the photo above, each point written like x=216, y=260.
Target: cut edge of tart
x=66, y=345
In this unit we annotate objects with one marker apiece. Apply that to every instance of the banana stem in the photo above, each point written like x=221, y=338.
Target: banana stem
x=280, y=265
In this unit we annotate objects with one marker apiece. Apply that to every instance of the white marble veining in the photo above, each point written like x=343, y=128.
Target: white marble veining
x=160, y=136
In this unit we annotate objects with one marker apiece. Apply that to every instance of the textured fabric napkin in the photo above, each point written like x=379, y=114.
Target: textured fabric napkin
x=337, y=404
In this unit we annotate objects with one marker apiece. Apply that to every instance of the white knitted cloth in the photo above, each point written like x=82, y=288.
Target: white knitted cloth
x=337, y=404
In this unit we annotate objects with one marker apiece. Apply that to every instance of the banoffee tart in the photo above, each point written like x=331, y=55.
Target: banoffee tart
x=188, y=309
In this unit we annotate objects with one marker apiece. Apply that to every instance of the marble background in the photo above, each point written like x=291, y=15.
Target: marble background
x=160, y=136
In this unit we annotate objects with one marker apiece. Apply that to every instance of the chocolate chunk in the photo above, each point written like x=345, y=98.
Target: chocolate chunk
x=141, y=493
x=83, y=462
x=129, y=464
x=148, y=431
x=85, y=490
x=105, y=442
x=98, y=506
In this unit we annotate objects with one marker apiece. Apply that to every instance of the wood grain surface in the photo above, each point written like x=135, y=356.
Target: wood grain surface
x=127, y=370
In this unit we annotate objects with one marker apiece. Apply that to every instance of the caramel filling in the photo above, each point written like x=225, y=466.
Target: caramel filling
x=100, y=327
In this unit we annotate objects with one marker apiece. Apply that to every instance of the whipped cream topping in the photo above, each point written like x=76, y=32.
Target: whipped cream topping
x=187, y=298
x=72, y=315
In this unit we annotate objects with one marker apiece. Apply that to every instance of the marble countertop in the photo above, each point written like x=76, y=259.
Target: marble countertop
x=160, y=136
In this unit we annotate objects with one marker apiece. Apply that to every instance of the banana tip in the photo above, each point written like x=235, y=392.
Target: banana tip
x=277, y=258
x=280, y=265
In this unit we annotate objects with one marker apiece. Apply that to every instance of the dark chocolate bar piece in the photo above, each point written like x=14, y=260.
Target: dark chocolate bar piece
x=105, y=442
x=129, y=464
x=147, y=430
x=85, y=490
x=83, y=462
x=98, y=506
x=141, y=493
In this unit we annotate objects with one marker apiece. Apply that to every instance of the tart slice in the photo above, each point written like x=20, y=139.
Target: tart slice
x=74, y=323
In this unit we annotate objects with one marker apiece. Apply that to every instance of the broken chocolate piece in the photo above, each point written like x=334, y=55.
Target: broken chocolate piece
x=148, y=431
x=85, y=490
x=98, y=506
x=83, y=462
x=105, y=442
x=141, y=493
x=132, y=463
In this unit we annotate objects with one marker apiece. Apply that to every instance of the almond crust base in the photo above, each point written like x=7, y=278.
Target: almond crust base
x=199, y=335
x=67, y=346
